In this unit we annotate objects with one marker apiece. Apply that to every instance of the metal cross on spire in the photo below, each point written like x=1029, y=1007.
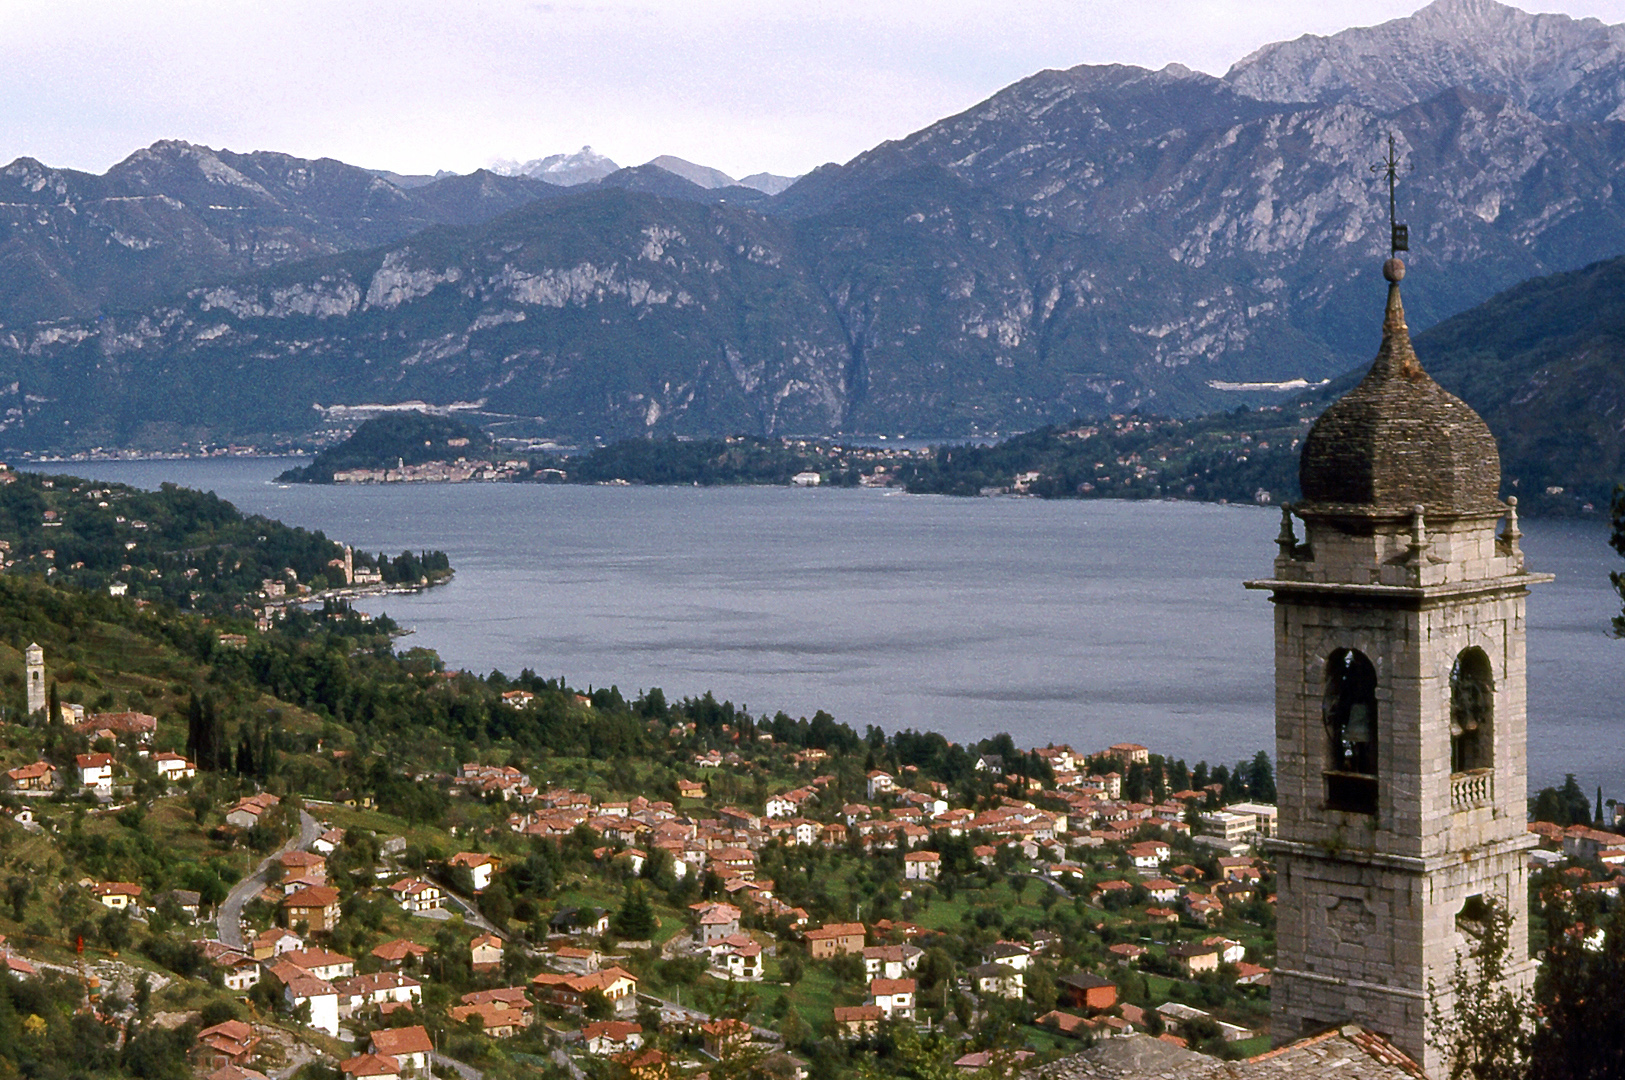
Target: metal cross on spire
x=1399, y=234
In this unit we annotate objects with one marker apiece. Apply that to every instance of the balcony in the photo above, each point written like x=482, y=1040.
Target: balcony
x=1476, y=787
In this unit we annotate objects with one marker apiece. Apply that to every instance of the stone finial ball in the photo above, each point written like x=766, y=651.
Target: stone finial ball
x=1394, y=270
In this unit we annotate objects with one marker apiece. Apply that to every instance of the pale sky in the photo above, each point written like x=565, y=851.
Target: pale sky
x=741, y=85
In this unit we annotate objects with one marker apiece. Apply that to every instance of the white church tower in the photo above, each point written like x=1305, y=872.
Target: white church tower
x=34, y=672
x=1399, y=707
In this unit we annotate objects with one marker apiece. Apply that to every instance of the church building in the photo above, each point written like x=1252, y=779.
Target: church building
x=1399, y=707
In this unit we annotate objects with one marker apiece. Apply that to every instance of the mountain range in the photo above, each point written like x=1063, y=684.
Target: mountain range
x=1096, y=239
x=586, y=165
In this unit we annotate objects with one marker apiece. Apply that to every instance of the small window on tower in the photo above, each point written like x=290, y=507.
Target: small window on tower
x=1472, y=711
x=1350, y=712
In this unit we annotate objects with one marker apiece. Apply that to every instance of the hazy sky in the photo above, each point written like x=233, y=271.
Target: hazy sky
x=420, y=85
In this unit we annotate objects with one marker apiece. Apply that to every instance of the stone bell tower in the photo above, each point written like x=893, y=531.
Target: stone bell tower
x=34, y=672
x=1399, y=706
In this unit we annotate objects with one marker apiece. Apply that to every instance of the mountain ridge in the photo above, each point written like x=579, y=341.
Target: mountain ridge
x=1095, y=239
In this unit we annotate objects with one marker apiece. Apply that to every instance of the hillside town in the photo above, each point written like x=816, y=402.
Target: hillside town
x=1144, y=908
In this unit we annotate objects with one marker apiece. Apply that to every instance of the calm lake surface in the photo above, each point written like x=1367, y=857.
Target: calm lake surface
x=1080, y=622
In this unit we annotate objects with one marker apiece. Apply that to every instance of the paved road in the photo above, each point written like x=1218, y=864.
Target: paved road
x=230, y=918
x=467, y=1072
x=471, y=914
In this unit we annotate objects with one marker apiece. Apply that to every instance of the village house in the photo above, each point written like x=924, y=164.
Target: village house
x=172, y=766
x=274, y=942
x=716, y=921
x=502, y=1013
x=409, y=1046
x=248, y=812
x=575, y=959
x=379, y=988
x=302, y=989
x=230, y=1043
x=1194, y=960
x=317, y=907
x=722, y=1038
x=879, y=783
x=1149, y=854
x=95, y=772
x=38, y=778
x=743, y=962
x=136, y=726
x=1083, y=990
x=858, y=1020
x=480, y=867
x=618, y=986
x=890, y=961
x=834, y=940
x=1009, y=953
x=485, y=954
x=999, y=980
x=1162, y=890
x=370, y=1067
x=922, y=866
x=417, y=894
x=894, y=997
x=321, y=963
x=605, y=1037
x=394, y=955
x=118, y=895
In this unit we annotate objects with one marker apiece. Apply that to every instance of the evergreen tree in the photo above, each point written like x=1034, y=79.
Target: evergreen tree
x=194, y=730
x=635, y=921
x=1261, y=779
x=245, y=755
x=53, y=711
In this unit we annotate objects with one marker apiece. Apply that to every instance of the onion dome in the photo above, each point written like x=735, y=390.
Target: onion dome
x=1399, y=440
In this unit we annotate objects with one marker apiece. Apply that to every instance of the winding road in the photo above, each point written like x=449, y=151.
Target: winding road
x=230, y=919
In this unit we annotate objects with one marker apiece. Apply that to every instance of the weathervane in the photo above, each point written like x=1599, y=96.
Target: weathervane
x=1399, y=235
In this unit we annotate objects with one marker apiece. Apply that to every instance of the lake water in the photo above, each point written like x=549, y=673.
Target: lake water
x=1080, y=622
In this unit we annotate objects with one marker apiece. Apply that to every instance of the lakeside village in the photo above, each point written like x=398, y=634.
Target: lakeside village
x=1055, y=897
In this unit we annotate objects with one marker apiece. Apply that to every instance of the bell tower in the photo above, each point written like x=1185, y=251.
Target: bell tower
x=1399, y=706
x=34, y=671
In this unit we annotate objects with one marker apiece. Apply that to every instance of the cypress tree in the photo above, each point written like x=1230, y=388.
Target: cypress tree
x=194, y=731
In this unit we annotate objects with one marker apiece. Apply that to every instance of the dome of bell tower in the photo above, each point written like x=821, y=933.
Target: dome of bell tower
x=1399, y=440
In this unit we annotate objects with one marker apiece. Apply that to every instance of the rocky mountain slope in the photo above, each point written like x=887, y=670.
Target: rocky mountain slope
x=1084, y=241
x=174, y=215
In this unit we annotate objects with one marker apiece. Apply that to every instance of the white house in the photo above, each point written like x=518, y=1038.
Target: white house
x=895, y=997
x=173, y=766
x=410, y=1046
x=891, y=961
x=327, y=843
x=361, y=991
x=1149, y=854
x=321, y=963
x=320, y=995
x=417, y=894
x=922, y=865
x=95, y=771
x=1000, y=980
x=240, y=973
x=1010, y=954
x=744, y=963
x=607, y=1037
x=880, y=782
x=480, y=867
